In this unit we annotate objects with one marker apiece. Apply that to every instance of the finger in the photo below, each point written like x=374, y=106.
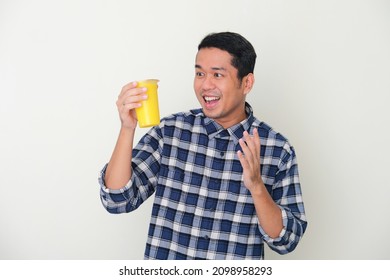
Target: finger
x=133, y=98
x=256, y=140
x=131, y=92
x=242, y=160
x=134, y=95
x=131, y=89
x=249, y=141
x=245, y=149
x=128, y=106
x=250, y=145
x=126, y=87
x=253, y=142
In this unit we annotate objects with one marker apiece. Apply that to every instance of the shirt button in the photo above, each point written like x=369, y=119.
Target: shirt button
x=206, y=237
x=222, y=154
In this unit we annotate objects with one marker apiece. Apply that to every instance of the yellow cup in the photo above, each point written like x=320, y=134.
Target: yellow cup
x=148, y=114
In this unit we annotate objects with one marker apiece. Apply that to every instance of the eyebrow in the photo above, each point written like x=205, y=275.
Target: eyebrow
x=212, y=68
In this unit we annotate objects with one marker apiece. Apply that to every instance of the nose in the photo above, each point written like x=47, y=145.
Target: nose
x=208, y=83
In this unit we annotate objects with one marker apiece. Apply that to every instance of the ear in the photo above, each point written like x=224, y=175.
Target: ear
x=248, y=82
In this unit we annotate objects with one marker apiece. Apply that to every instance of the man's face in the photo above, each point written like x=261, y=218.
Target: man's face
x=217, y=87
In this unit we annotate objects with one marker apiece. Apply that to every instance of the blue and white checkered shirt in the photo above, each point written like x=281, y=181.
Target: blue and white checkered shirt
x=202, y=210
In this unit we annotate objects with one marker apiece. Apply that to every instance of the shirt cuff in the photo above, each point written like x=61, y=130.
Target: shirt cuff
x=107, y=190
x=282, y=233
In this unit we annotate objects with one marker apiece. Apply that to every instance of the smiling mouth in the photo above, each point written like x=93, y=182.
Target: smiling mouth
x=211, y=99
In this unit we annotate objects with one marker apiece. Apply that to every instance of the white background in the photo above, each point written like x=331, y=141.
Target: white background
x=322, y=79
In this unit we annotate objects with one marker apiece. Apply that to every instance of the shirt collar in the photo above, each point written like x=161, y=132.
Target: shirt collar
x=213, y=129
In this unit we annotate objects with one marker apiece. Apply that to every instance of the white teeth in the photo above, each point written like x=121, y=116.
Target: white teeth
x=209, y=99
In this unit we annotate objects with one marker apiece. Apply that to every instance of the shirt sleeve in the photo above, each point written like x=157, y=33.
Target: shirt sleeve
x=142, y=184
x=286, y=192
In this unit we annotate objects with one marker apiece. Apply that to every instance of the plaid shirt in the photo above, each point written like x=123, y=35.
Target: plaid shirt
x=201, y=208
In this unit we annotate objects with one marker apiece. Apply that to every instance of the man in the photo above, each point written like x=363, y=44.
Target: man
x=225, y=183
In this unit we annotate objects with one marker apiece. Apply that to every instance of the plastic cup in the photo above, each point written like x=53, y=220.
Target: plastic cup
x=148, y=114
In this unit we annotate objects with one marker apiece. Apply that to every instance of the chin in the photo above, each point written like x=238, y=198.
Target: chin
x=211, y=114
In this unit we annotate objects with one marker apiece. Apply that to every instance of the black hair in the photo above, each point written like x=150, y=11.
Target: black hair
x=242, y=52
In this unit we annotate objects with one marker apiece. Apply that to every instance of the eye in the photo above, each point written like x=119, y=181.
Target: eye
x=218, y=75
x=199, y=74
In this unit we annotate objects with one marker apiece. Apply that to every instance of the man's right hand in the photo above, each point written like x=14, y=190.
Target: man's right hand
x=129, y=99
